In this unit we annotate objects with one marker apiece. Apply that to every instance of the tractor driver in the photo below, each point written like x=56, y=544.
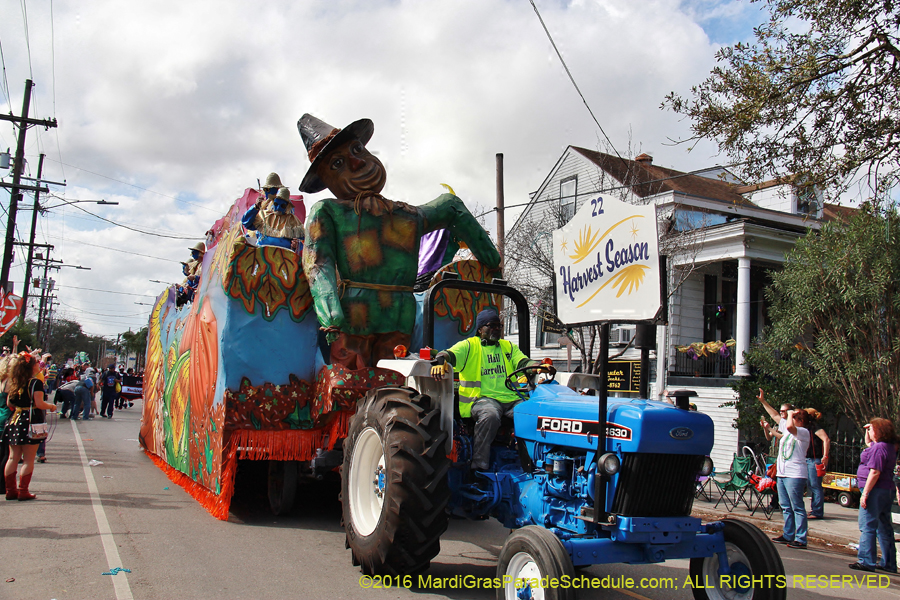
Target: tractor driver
x=483, y=362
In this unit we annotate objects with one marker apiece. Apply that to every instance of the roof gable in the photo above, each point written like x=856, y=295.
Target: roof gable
x=646, y=179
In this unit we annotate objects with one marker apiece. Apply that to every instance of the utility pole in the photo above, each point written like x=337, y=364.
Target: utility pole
x=34, y=216
x=16, y=187
x=48, y=330
x=45, y=293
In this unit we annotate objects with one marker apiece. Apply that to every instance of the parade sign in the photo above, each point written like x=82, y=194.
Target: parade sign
x=607, y=263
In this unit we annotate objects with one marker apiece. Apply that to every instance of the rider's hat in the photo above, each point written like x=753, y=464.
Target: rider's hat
x=272, y=181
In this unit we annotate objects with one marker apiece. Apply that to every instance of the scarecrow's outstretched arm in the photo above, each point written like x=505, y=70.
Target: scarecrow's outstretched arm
x=320, y=265
x=448, y=211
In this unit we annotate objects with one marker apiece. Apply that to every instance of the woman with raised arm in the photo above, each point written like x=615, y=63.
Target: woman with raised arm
x=26, y=398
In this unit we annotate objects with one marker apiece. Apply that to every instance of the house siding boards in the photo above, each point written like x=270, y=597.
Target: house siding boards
x=709, y=401
x=686, y=314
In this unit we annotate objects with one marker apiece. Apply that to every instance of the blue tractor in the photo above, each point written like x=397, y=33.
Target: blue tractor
x=576, y=493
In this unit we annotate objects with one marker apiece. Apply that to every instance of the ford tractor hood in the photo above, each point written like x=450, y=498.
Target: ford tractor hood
x=558, y=416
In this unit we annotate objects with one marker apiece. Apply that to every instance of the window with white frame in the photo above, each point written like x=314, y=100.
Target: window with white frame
x=568, y=190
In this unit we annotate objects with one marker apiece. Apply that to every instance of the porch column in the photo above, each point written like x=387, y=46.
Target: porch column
x=742, y=337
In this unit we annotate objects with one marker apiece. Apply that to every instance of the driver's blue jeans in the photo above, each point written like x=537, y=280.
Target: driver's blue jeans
x=487, y=413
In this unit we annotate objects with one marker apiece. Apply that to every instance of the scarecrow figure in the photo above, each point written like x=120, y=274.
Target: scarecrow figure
x=361, y=256
x=194, y=265
x=273, y=217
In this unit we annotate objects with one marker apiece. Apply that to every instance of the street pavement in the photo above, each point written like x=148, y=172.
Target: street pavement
x=89, y=521
x=838, y=530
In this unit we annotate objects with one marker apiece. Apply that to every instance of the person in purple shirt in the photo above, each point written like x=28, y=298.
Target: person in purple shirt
x=876, y=463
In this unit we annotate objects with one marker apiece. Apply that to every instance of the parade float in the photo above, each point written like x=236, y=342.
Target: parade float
x=244, y=370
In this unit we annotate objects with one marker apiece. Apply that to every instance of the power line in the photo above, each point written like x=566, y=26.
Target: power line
x=5, y=80
x=139, y=187
x=27, y=41
x=572, y=79
x=53, y=71
x=76, y=241
x=171, y=237
x=100, y=314
x=72, y=287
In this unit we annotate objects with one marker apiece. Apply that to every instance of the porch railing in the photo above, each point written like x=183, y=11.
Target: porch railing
x=715, y=365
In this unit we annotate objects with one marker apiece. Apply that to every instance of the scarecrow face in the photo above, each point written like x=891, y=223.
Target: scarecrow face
x=350, y=169
x=280, y=206
x=195, y=254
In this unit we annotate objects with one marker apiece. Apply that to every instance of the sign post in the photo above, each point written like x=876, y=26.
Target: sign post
x=606, y=262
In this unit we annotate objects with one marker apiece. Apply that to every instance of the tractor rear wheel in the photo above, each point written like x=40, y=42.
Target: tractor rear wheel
x=529, y=555
x=394, y=488
x=751, y=555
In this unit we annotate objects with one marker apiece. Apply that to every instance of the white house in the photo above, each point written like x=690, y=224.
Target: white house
x=722, y=238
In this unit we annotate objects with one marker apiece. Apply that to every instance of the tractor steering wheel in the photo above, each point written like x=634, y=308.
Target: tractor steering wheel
x=513, y=384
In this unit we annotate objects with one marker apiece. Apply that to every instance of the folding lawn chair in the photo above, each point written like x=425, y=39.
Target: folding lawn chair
x=703, y=485
x=759, y=499
x=733, y=490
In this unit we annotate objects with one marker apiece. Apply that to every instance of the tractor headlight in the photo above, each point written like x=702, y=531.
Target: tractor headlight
x=707, y=467
x=609, y=464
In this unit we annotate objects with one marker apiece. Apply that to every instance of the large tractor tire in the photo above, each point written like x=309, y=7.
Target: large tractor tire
x=751, y=555
x=394, y=488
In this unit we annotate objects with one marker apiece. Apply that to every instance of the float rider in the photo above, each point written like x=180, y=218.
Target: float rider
x=484, y=361
x=195, y=264
x=274, y=219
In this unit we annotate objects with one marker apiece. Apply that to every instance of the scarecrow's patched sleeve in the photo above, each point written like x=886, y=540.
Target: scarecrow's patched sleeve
x=320, y=265
x=448, y=211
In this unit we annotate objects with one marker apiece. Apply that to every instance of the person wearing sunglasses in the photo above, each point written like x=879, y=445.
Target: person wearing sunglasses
x=791, y=472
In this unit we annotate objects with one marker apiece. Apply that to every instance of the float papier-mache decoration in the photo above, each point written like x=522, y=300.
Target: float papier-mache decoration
x=268, y=360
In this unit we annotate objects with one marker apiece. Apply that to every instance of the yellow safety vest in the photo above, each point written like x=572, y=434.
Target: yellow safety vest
x=470, y=376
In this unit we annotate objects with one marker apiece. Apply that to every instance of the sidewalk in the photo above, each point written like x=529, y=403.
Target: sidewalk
x=836, y=531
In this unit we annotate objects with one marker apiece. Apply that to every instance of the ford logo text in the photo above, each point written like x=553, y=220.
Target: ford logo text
x=681, y=433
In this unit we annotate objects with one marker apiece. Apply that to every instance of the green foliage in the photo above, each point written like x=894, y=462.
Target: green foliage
x=815, y=96
x=24, y=330
x=835, y=312
x=784, y=381
x=135, y=342
x=67, y=338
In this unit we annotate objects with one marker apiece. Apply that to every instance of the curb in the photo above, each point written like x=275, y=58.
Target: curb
x=825, y=541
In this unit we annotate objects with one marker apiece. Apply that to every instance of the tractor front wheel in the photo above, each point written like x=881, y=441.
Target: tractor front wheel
x=529, y=555
x=394, y=488
x=757, y=572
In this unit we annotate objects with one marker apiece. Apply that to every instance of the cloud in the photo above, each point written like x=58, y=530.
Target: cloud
x=173, y=108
